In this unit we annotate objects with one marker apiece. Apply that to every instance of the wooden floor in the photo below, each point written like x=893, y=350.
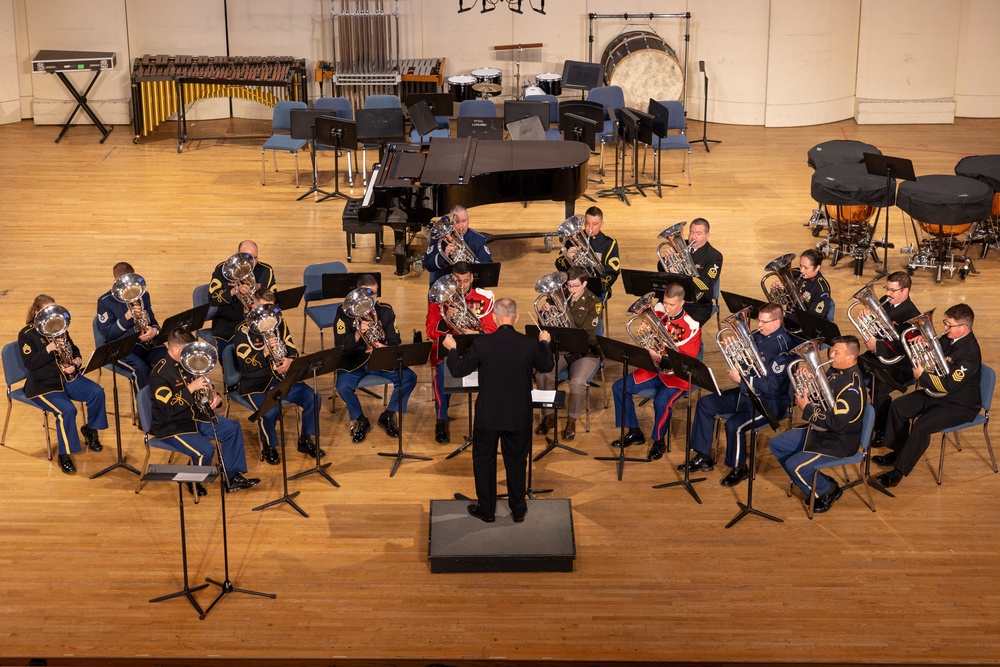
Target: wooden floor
x=657, y=577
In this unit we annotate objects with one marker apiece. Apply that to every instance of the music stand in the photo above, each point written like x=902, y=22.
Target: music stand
x=581, y=75
x=704, y=119
x=878, y=373
x=625, y=129
x=624, y=353
x=380, y=126
x=182, y=475
x=454, y=385
x=564, y=339
x=486, y=274
x=108, y=355
x=515, y=110
x=303, y=126
x=339, y=133
x=287, y=299
x=737, y=302
x=399, y=357
x=758, y=408
x=190, y=320
x=316, y=364
x=339, y=285
x=480, y=127
x=892, y=167
x=441, y=104
x=578, y=128
x=640, y=283
x=643, y=134
x=814, y=326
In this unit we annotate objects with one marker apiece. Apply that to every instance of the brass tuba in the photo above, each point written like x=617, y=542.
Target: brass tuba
x=923, y=348
x=198, y=358
x=128, y=289
x=238, y=270
x=551, y=287
x=360, y=305
x=737, y=345
x=782, y=290
x=645, y=327
x=454, y=310
x=265, y=321
x=450, y=244
x=677, y=256
x=573, y=235
x=874, y=323
x=811, y=383
x=53, y=323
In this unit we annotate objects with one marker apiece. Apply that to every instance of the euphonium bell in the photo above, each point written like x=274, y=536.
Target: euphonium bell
x=53, y=322
x=645, y=327
x=782, y=290
x=265, y=320
x=923, y=348
x=199, y=358
x=450, y=244
x=571, y=231
x=360, y=305
x=738, y=347
x=454, y=310
x=811, y=383
x=677, y=256
x=238, y=270
x=874, y=323
x=128, y=289
x=550, y=287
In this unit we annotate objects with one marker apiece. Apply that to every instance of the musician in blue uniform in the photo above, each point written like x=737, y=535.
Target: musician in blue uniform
x=116, y=319
x=437, y=264
x=225, y=296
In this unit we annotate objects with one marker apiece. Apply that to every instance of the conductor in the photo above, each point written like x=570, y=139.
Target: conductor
x=504, y=360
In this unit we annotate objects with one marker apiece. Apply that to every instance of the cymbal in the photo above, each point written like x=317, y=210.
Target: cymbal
x=487, y=88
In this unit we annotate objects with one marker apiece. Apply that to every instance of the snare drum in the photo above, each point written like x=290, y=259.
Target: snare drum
x=488, y=75
x=644, y=67
x=550, y=82
x=461, y=87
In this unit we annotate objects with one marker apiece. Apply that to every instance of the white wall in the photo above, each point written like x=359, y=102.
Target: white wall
x=10, y=102
x=977, y=84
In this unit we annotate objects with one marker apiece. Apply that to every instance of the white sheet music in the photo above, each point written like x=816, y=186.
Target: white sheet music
x=189, y=477
x=471, y=380
x=543, y=396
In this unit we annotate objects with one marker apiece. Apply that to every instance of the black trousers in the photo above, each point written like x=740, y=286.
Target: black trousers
x=515, y=446
x=901, y=372
x=929, y=415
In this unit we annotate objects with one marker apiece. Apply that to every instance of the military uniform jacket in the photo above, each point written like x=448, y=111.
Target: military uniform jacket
x=606, y=249
x=686, y=334
x=438, y=265
x=773, y=388
x=961, y=385
x=111, y=320
x=815, y=293
x=842, y=424
x=230, y=308
x=256, y=372
x=174, y=412
x=44, y=374
x=586, y=314
x=480, y=302
x=355, y=353
x=708, y=262
x=899, y=314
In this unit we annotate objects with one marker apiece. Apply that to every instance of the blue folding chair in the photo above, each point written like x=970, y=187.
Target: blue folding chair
x=14, y=373
x=323, y=316
x=479, y=108
x=199, y=297
x=281, y=124
x=987, y=382
x=144, y=404
x=552, y=132
x=675, y=121
x=613, y=100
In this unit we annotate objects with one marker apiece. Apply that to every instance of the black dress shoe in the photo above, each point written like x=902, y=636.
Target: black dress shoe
x=518, y=518
x=885, y=459
x=700, y=463
x=92, y=439
x=877, y=440
x=360, y=428
x=308, y=447
x=889, y=479
x=826, y=501
x=634, y=436
x=735, y=476
x=441, y=432
x=478, y=513
x=66, y=464
x=197, y=488
x=240, y=482
x=270, y=455
x=387, y=420
x=658, y=449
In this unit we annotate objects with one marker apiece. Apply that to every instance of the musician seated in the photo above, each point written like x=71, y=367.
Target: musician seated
x=438, y=264
x=478, y=302
x=584, y=310
x=352, y=334
x=183, y=423
x=831, y=431
x=708, y=263
x=774, y=346
x=260, y=373
x=813, y=287
x=54, y=382
x=605, y=249
x=686, y=335
x=231, y=299
x=116, y=319
x=915, y=416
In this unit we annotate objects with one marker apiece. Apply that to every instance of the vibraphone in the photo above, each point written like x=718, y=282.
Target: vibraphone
x=162, y=86
x=416, y=75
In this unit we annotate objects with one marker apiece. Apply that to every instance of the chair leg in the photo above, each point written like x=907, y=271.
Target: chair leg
x=48, y=436
x=940, y=473
x=862, y=467
x=989, y=445
x=586, y=408
x=304, y=322
x=297, y=169
x=6, y=421
x=811, y=505
x=689, y=167
x=262, y=170
x=274, y=157
x=350, y=169
x=145, y=469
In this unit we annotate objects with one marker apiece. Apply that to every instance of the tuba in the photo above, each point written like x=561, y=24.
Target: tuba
x=53, y=322
x=265, y=321
x=198, y=358
x=782, y=290
x=128, y=289
x=551, y=287
x=874, y=323
x=737, y=345
x=450, y=244
x=454, y=310
x=677, y=256
x=360, y=305
x=645, y=327
x=811, y=383
x=238, y=270
x=573, y=236
x=923, y=348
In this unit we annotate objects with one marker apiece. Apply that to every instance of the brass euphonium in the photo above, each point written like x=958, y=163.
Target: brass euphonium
x=128, y=289
x=645, y=327
x=198, y=358
x=783, y=289
x=677, y=256
x=265, y=321
x=872, y=321
x=238, y=270
x=923, y=348
x=360, y=305
x=550, y=287
x=454, y=310
x=738, y=347
x=53, y=322
x=571, y=231
x=450, y=244
x=811, y=383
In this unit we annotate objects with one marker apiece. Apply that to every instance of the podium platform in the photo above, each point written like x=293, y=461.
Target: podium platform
x=544, y=542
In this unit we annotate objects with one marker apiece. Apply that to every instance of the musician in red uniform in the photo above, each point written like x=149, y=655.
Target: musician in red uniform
x=480, y=304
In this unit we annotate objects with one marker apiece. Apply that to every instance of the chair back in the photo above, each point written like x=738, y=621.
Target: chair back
x=987, y=383
x=610, y=97
x=553, y=105
x=282, y=118
x=831, y=311
x=231, y=374
x=201, y=296
x=867, y=425
x=99, y=339
x=14, y=370
x=675, y=114
x=144, y=406
x=341, y=106
x=312, y=277
x=383, y=102
x=481, y=108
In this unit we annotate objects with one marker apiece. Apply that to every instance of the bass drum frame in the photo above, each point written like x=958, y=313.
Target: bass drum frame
x=644, y=66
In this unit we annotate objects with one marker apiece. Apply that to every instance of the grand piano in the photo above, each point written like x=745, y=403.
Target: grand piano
x=414, y=183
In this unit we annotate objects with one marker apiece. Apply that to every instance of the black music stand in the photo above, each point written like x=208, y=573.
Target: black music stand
x=699, y=375
x=339, y=285
x=399, y=357
x=316, y=364
x=626, y=129
x=486, y=274
x=759, y=408
x=581, y=75
x=577, y=128
x=737, y=302
x=380, y=126
x=183, y=475
x=108, y=355
x=814, y=326
x=191, y=320
x=564, y=339
x=339, y=133
x=892, y=167
x=290, y=298
x=643, y=134
x=659, y=119
x=458, y=386
x=639, y=357
x=303, y=126
x=441, y=104
x=878, y=373
x=704, y=119
x=639, y=283
x=515, y=110
x=421, y=118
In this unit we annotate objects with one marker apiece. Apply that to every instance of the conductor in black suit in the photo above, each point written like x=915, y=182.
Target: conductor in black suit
x=504, y=360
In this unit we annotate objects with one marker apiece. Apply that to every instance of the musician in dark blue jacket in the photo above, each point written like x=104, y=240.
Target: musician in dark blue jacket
x=438, y=265
x=116, y=319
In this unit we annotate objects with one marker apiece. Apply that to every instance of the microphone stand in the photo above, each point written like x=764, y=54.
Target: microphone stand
x=704, y=119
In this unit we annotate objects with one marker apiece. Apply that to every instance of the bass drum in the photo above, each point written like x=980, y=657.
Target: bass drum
x=644, y=67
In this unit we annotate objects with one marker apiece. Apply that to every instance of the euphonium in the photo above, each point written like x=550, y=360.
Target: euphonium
x=923, y=348
x=198, y=358
x=677, y=257
x=454, y=310
x=265, y=320
x=551, y=287
x=571, y=231
x=874, y=323
x=53, y=323
x=737, y=345
x=128, y=289
x=360, y=305
x=645, y=327
x=783, y=291
x=450, y=244
x=811, y=383
x=238, y=270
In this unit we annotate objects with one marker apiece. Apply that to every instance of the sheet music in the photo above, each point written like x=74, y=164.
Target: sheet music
x=471, y=380
x=189, y=477
x=543, y=396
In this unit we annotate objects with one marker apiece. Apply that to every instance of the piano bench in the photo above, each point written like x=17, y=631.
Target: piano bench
x=353, y=226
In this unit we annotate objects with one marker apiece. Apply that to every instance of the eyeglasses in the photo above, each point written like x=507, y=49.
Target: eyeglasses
x=574, y=285
x=954, y=326
x=766, y=321
x=890, y=290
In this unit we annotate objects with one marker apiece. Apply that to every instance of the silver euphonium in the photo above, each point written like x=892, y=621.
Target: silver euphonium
x=550, y=287
x=265, y=321
x=674, y=254
x=238, y=270
x=738, y=347
x=53, y=323
x=572, y=233
x=811, y=383
x=128, y=289
x=454, y=310
x=923, y=348
x=872, y=321
x=645, y=326
x=450, y=244
x=360, y=305
x=782, y=290
x=198, y=358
